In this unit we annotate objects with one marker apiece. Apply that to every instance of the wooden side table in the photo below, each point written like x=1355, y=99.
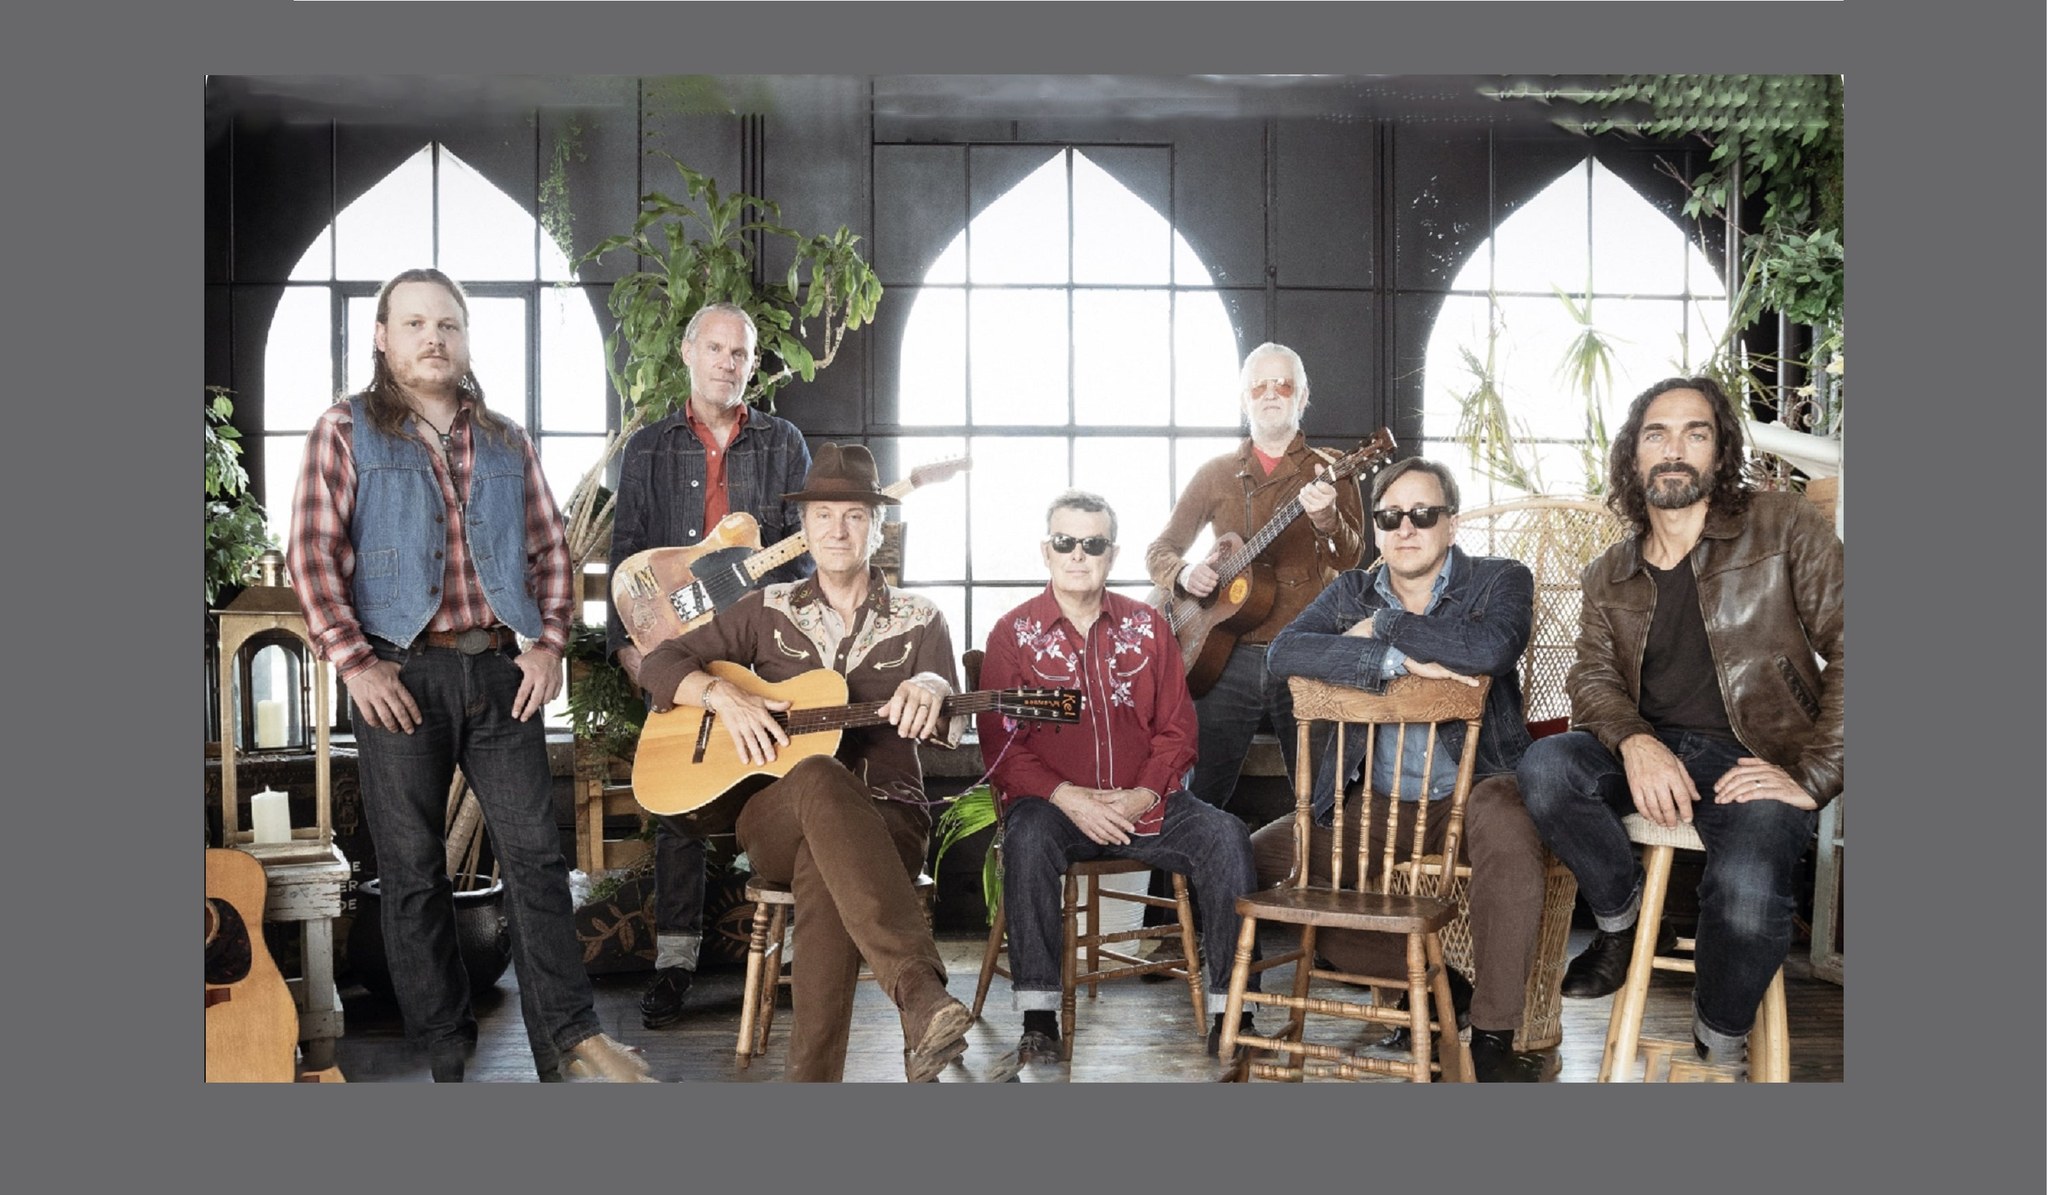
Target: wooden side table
x=310, y=895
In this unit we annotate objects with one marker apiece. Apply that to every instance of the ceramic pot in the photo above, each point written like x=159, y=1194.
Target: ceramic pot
x=482, y=936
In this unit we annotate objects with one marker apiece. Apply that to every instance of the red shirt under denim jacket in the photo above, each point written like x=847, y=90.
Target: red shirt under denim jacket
x=1137, y=727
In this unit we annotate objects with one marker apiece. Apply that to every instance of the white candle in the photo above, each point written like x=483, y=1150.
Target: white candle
x=270, y=815
x=270, y=723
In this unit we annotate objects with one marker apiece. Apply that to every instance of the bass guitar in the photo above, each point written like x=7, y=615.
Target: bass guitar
x=663, y=592
x=252, y=1026
x=687, y=765
x=1209, y=627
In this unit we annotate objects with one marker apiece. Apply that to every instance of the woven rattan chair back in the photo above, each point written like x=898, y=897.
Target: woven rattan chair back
x=1557, y=538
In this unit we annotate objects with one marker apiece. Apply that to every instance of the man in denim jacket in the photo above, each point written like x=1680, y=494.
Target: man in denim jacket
x=1428, y=609
x=680, y=477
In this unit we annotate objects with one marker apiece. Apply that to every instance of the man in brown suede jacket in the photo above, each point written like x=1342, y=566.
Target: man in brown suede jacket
x=1707, y=691
x=1236, y=494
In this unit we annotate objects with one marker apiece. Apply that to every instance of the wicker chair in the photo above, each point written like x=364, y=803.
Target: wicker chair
x=1770, y=1059
x=1083, y=894
x=1556, y=538
x=1415, y=705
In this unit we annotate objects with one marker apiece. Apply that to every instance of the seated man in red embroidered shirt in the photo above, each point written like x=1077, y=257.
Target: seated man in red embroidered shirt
x=1113, y=785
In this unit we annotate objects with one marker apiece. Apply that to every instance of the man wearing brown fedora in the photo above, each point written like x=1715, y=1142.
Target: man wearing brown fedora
x=847, y=833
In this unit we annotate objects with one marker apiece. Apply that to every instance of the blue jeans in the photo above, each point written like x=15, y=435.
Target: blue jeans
x=466, y=718
x=1208, y=846
x=1576, y=791
x=679, y=871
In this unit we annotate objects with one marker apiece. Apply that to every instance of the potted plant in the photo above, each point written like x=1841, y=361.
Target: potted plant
x=709, y=247
x=235, y=530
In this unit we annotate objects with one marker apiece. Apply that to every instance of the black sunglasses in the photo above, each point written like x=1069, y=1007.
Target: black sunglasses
x=1094, y=545
x=1424, y=517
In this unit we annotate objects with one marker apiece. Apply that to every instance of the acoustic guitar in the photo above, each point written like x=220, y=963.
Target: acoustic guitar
x=1208, y=627
x=252, y=1027
x=687, y=765
x=663, y=592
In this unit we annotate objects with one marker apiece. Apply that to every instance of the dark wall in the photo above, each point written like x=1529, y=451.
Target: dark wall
x=1332, y=227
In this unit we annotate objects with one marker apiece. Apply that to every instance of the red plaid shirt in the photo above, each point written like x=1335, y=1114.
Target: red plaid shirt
x=323, y=561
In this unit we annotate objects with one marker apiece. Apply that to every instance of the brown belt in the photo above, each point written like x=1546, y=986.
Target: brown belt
x=470, y=642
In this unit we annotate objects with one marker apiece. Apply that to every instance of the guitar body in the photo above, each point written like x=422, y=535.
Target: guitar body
x=252, y=1026
x=645, y=585
x=687, y=766
x=1208, y=631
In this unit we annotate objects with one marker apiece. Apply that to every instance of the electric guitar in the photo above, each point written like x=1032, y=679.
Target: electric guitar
x=663, y=592
x=687, y=765
x=1208, y=627
x=252, y=1026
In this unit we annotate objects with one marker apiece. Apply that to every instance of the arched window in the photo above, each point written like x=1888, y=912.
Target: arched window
x=1068, y=335
x=534, y=339
x=1586, y=288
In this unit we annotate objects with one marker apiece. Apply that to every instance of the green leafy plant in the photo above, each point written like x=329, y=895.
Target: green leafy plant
x=236, y=532
x=709, y=247
x=604, y=706
x=1588, y=368
x=969, y=814
x=1490, y=435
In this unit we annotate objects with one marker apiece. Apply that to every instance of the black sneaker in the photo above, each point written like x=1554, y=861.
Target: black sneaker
x=662, y=1004
x=1461, y=1004
x=1495, y=1060
x=1038, y=1046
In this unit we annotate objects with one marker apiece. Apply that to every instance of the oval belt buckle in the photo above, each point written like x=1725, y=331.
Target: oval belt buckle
x=473, y=640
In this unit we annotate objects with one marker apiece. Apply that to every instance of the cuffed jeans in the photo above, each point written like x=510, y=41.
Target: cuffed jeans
x=678, y=895
x=1577, y=791
x=1203, y=843
x=849, y=861
x=466, y=718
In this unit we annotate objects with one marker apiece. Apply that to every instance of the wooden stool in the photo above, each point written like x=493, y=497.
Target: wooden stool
x=1083, y=892
x=1770, y=1057
x=773, y=904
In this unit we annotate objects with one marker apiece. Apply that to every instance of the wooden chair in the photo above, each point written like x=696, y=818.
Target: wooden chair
x=1081, y=893
x=1415, y=705
x=1556, y=538
x=773, y=905
x=1770, y=1056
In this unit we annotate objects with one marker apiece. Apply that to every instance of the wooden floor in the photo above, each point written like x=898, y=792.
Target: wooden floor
x=1133, y=1031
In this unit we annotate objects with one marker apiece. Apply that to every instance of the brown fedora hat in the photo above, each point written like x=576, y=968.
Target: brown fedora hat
x=842, y=473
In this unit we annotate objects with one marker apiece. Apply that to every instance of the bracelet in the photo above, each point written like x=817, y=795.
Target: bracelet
x=704, y=698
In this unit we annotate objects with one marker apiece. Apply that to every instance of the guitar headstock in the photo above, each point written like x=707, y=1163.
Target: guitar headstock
x=1370, y=454
x=1040, y=705
x=931, y=474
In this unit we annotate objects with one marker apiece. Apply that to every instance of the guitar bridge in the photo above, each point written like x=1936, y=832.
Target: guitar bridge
x=703, y=737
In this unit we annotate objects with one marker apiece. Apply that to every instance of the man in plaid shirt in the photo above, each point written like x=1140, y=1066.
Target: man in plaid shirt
x=424, y=546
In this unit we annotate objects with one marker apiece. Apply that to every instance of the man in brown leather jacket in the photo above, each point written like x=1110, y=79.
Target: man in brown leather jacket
x=1697, y=698
x=1237, y=494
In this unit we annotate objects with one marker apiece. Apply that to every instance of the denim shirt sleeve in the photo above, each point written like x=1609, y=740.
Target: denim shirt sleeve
x=1480, y=628
x=1315, y=645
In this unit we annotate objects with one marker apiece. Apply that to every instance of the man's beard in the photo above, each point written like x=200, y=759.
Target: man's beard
x=1669, y=498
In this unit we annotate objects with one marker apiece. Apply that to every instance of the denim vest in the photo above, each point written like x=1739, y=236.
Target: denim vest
x=398, y=527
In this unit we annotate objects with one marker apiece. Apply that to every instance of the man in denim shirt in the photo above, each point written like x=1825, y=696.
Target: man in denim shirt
x=680, y=477
x=1429, y=610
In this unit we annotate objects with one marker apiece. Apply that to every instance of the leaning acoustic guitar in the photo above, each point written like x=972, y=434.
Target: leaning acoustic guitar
x=252, y=1027
x=1208, y=627
x=687, y=765
x=663, y=592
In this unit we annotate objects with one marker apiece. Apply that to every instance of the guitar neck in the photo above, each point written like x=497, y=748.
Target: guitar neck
x=783, y=551
x=869, y=713
x=1236, y=561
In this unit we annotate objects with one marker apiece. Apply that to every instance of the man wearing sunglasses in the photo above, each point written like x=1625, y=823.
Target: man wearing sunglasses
x=1108, y=786
x=1697, y=698
x=1235, y=495
x=1429, y=609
